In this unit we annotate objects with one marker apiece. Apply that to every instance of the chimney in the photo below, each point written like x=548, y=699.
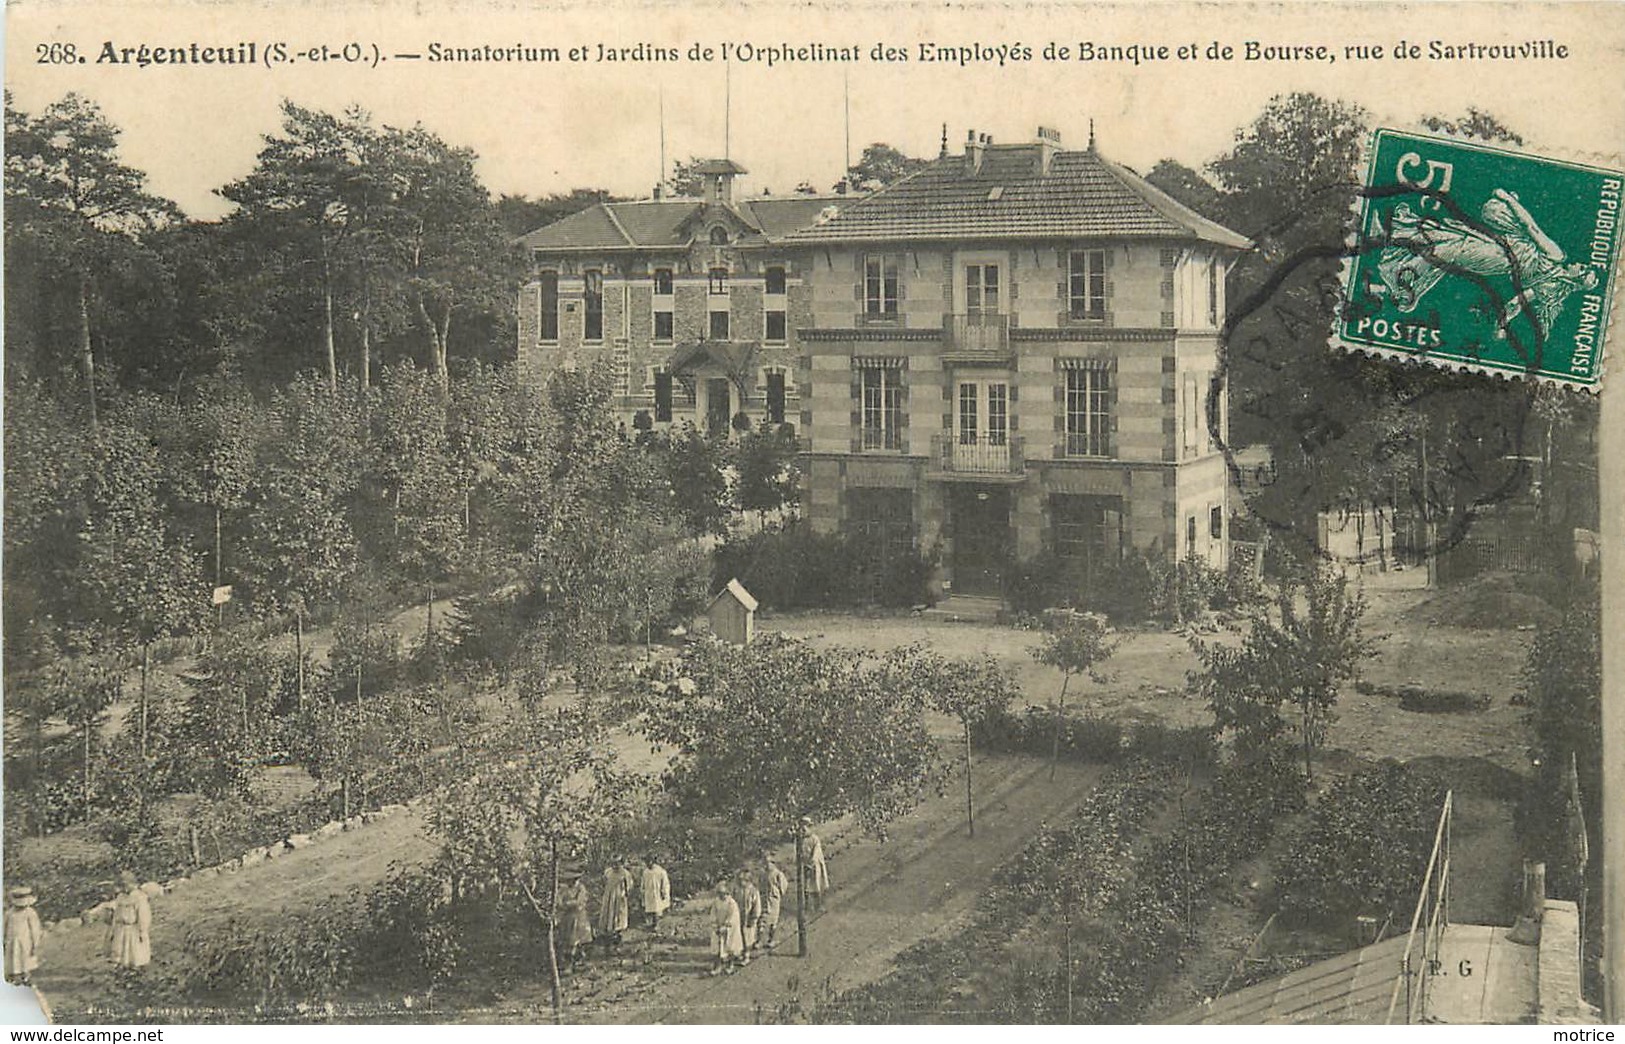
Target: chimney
x=1049, y=143
x=973, y=153
x=660, y=190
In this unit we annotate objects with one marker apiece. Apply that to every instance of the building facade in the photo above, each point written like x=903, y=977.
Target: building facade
x=689, y=303
x=1010, y=351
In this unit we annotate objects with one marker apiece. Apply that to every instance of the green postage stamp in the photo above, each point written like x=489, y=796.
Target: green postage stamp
x=1475, y=257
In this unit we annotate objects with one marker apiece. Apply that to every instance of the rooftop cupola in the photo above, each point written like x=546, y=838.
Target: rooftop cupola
x=718, y=177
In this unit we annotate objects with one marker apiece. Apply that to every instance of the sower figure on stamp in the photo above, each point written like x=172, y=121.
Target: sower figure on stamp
x=774, y=885
x=749, y=898
x=614, y=906
x=656, y=888
x=574, y=923
x=816, y=871
x=129, y=942
x=24, y=935
x=725, y=937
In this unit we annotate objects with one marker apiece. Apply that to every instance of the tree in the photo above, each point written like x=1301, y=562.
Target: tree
x=518, y=826
x=695, y=465
x=458, y=257
x=778, y=731
x=971, y=691
x=765, y=462
x=1299, y=659
x=1188, y=187
x=879, y=166
x=72, y=205
x=1073, y=643
x=1561, y=682
x=301, y=546
x=134, y=577
x=322, y=191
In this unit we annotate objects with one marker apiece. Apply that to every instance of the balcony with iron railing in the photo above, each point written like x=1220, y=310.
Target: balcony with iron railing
x=977, y=337
x=977, y=458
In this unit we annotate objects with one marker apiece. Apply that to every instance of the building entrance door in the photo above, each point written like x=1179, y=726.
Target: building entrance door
x=718, y=406
x=981, y=538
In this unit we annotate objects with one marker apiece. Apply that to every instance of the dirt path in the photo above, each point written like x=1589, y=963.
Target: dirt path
x=76, y=978
x=887, y=897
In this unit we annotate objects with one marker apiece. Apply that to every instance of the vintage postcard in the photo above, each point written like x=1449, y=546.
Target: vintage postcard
x=627, y=513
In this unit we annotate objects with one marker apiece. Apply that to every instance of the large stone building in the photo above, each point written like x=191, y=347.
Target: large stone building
x=1009, y=351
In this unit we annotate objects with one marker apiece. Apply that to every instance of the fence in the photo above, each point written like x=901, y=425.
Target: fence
x=1421, y=957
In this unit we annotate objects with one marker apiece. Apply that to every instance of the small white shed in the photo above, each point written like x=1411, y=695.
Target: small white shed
x=733, y=614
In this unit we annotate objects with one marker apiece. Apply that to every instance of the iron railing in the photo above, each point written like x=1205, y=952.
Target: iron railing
x=988, y=334
x=1421, y=960
x=982, y=454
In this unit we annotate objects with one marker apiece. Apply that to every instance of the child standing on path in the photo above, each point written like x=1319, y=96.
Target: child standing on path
x=749, y=899
x=129, y=941
x=656, y=893
x=774, y=885
x=725, y=938
x=24, y=935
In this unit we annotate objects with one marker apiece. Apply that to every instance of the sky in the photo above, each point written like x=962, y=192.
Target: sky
x=540, y=128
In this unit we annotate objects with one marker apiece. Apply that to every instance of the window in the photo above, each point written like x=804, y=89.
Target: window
x=719, y=325
x=1213, y=292
x=1087, y=528
x=883, y=521
x=775, y=397
x=719, y=235
x=548, y=306
x=776, y=325
x=981, y=289
x=880, y=286
x=592, y=323
x=775, y=280
x=1086, y=285
x=1197, y=437
x=1215, y=522
x=1190, y=536
x=967, y=414
x=665, y=325
x=718, y=281
x=882, y=394
x=662, y=396
x=1088, y=412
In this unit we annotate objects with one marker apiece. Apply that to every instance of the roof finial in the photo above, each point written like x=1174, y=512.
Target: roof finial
x=1091, y=134
x=943, y=151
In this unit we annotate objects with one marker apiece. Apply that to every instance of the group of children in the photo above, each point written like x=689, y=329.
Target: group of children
x=744, y=912
x=129, y=929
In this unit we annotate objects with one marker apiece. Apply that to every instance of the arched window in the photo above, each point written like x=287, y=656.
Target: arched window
x=719, y=236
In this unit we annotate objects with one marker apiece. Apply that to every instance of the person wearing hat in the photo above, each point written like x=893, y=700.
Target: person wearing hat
x=656, y=892
x=130, y=941
x=573, y=924
x=725, y=937
x=815, y=869
x=24, y=935
x=774, y=885
x=749, y=898
x=615, y=904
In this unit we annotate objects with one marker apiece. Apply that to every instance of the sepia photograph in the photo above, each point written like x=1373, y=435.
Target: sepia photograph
x=778, y=514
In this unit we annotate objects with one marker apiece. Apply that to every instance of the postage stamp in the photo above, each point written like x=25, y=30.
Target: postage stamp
x=1473, y=256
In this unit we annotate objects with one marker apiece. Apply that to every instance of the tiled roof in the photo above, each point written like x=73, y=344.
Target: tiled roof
x=778, y=216
x=1082, y=195
x=668, y=222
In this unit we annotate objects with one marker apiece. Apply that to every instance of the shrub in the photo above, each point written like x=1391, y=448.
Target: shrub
x=793, y=567
x=1091, y=739
x=1140, y=587
x=1365, y=848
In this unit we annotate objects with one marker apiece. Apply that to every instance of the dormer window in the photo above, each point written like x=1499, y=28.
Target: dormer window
x=719, y=236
